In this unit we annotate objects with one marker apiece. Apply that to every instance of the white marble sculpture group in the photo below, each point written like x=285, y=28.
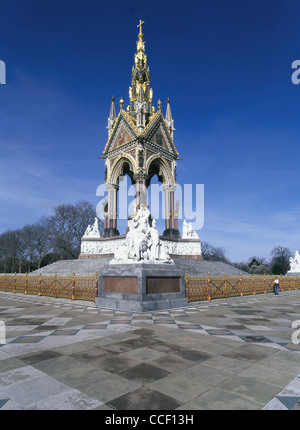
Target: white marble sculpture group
x=188, y=232
x=142, y=242
x=295, y=263
x=92, y=231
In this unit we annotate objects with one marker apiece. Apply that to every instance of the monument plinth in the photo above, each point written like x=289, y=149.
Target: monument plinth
x=141, y=287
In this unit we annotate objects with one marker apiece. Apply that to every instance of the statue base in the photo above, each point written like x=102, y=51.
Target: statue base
x=141, y=287
x=290, y=273
x=107, y=246
x=171, y=233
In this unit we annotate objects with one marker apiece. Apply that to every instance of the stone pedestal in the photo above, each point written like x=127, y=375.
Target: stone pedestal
x=106, y=247
x=171, y=233
x=141, y=287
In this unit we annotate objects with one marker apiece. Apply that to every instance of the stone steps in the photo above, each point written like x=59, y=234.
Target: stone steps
x=79, y=267
x=202, y=267
x=90, y=266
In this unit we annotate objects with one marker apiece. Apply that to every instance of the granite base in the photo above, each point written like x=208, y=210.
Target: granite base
x=141, y=287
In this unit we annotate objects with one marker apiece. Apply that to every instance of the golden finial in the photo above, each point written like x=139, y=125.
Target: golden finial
x=121, y=103
x=159, y=104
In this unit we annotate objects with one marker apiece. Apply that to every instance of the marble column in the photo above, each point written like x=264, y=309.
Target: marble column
x=140, y=190
x=171, y=222
x=110, y=227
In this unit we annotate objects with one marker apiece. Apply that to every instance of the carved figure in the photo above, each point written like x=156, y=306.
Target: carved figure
x=188, y=232
x=295, y=263
x=92, y=231
x=154, y=242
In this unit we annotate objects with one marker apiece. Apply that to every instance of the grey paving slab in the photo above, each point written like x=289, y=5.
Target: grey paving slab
x=143, y=354
x=30, y=392
x=207, y=374
x=82, y=378
x=250, y=388
x=110, y=388
x=181, y=387
x=267, y=374
x=218, y=399
x=67, y=400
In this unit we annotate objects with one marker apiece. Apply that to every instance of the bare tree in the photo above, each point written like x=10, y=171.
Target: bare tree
x=27, y=238
x=12, y=251
x=280, y=262
x=212, y=253
x=5, y=251
x=42, y=240
x=67, y=227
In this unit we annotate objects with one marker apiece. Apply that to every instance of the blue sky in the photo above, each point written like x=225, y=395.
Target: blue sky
x=226, y=67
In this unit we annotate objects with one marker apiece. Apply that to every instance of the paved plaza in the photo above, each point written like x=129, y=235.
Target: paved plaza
x=233, y=354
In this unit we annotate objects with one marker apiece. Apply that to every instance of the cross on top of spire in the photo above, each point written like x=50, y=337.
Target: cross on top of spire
x=140, y=27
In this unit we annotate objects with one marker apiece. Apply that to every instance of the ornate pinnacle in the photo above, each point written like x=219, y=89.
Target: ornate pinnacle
x=169, y=119
x=112, y=114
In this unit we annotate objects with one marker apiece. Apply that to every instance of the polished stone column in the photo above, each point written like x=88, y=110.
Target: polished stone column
x=171, y=222
x=110, y=226
x=140, y=190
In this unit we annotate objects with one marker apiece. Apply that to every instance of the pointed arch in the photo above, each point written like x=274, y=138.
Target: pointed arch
x=125, y=163
x=157, y=165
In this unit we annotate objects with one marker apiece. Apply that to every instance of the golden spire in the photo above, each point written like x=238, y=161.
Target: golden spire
x=140, y=76
x=140, y=56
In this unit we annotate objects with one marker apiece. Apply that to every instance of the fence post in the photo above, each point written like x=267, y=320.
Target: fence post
x=186, y=286
x=265, y=290
x=40, y=285
x=96, y=286
x=208, y=287
x=241, y=281
x=5, y=289
x=55, y=285
x=26, y=282
x=73, y=287
x=281, y=282
x=15, y=282
x=253, y=284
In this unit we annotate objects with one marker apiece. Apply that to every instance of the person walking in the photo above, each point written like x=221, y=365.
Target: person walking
x=276, y=286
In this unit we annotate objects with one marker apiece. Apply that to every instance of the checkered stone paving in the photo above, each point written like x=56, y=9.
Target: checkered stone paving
x=232, y=353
